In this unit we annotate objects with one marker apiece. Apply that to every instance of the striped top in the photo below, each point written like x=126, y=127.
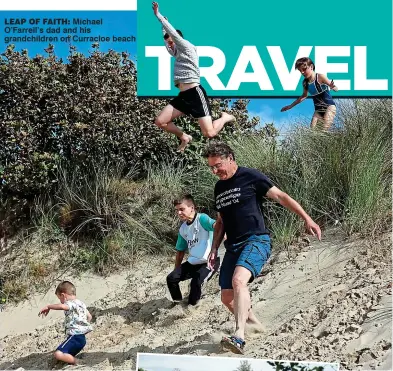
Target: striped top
x=320, y=94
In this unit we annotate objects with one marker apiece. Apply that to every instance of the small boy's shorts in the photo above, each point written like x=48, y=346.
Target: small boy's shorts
x=73, y=344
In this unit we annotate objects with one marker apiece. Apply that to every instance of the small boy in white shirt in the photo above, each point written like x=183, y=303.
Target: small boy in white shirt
x=76, y=322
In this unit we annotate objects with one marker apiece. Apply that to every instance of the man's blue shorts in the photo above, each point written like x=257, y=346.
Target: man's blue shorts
x=73, y=344
x=251, y=254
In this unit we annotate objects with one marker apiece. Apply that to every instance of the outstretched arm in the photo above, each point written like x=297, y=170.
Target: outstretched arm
x=171, y=51
x=44, y=311
x=177, y=39
x=285, y=200
x=297, y=101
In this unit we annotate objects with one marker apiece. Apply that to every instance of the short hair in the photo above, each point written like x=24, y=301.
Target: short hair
x=185, y=197
x=166, y=36
x=65, y=287
x=218, y=149
x=304, y=61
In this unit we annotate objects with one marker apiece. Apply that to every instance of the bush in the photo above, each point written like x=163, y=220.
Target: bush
x=80, y=113
x=103, y=217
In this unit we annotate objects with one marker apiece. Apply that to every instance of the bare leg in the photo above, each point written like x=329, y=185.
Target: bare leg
x=242, y=300
x=329, y=117
x=211, y=128
x=227, y=298
x=164, y=121
x=314, y=121
x=68, y=358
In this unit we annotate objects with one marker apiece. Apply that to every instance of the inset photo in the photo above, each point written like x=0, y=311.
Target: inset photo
x=170, y=362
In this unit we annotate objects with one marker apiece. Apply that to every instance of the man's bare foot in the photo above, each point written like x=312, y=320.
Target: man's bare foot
x=185, y=140
x=227, y=117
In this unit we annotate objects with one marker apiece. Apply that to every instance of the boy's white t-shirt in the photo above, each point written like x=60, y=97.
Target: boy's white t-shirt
x=197, y=237
x=75, y=321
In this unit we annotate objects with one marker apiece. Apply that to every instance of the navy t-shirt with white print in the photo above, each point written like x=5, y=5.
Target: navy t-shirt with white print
x=239, y=202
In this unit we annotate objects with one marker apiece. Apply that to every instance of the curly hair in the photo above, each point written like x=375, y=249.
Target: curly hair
x=221, y=149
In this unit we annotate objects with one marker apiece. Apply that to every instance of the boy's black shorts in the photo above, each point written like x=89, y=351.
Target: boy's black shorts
x=192, y=102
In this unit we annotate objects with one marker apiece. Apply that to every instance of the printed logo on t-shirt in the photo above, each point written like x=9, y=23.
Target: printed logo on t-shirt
x=192, y=242
x=227, y=198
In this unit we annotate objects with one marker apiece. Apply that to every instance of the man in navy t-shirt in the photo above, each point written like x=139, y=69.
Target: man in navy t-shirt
x=238, y=201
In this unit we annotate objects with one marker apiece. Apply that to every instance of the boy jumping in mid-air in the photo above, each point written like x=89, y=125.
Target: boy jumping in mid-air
x=196, y=235
x=76, y=322
x=192, y=99
x=317, y=85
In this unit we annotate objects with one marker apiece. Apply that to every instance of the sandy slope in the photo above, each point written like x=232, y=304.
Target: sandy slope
x=329, y=301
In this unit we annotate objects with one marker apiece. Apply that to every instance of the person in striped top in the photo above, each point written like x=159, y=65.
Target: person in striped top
x=318, y=87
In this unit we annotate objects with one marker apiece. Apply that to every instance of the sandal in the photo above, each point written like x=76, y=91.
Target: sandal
x=234, y=344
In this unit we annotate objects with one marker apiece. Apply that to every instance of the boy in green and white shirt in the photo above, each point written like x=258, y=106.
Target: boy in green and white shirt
x=196, y=235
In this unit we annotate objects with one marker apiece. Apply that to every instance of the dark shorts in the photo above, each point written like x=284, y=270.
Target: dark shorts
x=251, y=254
x=198, y=273
x=193, y=102
x=73, y=344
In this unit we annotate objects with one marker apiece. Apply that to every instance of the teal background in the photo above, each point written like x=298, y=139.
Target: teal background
x=288, y=24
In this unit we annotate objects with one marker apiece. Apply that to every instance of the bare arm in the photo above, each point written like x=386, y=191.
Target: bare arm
x=219, y=233
x=44, y=311
x=224, y=237
x=288, y=202
x=89, y=316
x=323, y=79
x=58, y=307
x=297, y=101
x=218, y=236
x=179, y=258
